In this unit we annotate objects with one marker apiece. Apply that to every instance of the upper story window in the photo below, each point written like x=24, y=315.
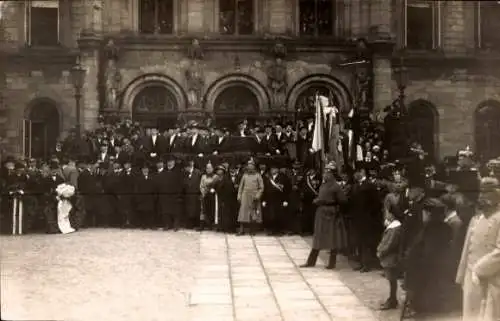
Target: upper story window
x=422, y=24
x=156, y=16
x=236, y=17
x=488, y=14
x=42, y=23
x=316, y=17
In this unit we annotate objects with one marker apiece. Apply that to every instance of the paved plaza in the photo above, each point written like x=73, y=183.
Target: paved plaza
x=257, y=278
x=106, y=274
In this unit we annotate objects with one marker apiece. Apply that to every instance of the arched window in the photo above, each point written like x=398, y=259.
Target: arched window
x=233, y=104
x=305, y=102
x=155, y=105
x=423, y=125
x=487, y=133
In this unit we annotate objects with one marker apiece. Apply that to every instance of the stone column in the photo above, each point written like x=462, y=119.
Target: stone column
x=382, y=43
x=89, y=52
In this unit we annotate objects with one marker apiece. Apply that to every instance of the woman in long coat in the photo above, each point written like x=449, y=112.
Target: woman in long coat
x=249, y=195
x=329, y=232
x=479, y=269
x=227, y=205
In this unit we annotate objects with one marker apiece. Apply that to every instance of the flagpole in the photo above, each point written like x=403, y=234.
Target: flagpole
x=322, y=115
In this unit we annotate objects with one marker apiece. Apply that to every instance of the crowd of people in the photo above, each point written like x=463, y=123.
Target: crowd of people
x=408, y=216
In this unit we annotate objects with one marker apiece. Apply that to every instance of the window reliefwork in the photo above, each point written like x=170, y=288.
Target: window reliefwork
x=422, y=20
x=236, y=17
x=488, y=24
x=156, y=16
x=42, y=23
x=316, y=17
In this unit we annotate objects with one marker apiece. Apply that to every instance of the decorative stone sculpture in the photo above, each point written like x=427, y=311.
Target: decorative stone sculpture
x=112, y=76
x=277, y=83
x=194, y=74
x=279, y=50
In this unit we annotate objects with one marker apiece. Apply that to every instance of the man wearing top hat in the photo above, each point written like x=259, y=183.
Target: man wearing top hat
x=126, y=192
x=169, y=187
x=50, y=184
x=304, y=142
x=112, y=188
x=219, y=142
x=275, y=200
x=195, y=144
x=87, y=187
x=154, y=145
x=270, y=141
x=281, y=140
x=145, y=197
x=192, y=194
x=258, y=146
x=295, y=206
x=174, y=141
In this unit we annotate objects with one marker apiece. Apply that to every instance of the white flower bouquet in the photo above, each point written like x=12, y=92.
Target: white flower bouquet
x=65, y=191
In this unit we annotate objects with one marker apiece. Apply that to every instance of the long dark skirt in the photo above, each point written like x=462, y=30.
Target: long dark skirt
x=208, y=209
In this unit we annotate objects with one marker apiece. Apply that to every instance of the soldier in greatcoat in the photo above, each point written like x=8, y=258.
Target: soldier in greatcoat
x=479, y=269
x=328, y=234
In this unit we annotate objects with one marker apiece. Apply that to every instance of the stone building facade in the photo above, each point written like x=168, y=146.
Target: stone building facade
x=161, y=61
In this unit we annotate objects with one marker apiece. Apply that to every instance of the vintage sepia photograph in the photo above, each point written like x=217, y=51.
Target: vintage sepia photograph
x=249, y=160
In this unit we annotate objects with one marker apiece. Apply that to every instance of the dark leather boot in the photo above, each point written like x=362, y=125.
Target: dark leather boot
x=311, y=259
x=332, y=260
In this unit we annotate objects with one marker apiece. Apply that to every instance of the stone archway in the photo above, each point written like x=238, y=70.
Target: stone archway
x=234, y=103
x=154, y=100
x=301, y=95
x=487, y=130
x=423, y=119
x=41, y=128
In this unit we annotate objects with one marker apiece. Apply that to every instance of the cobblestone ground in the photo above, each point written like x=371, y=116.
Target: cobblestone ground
x=98, y=274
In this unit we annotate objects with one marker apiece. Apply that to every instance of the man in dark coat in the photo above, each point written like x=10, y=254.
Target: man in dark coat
x=270, y=140
x=112, y=189
x=304, y=142
x=275, y=200
x=154, y=146
x=126, y=192
x=144, y=198
x=88, y=187
x=258, y=146
x=169, y=195
x=310, y=188
x=361, y=204
x=295, y=204
x=227, y=200
x=192, y=194
x=327, y=232
x=218, y=143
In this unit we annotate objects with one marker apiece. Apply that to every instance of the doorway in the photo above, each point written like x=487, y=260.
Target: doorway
x=41, y=129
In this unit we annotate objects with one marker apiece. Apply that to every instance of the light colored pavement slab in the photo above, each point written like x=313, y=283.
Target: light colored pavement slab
x=100, y=274
x=267, y=284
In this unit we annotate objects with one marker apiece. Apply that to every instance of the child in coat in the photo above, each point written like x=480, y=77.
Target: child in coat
x=388, y=252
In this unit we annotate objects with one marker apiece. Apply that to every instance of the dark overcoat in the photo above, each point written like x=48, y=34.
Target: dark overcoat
x=329, y=231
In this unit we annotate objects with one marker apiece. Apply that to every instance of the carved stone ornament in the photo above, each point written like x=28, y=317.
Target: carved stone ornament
x=195, y=51
x=279, y=50
x=195, y=80
x=112, y=76
x=277, y=83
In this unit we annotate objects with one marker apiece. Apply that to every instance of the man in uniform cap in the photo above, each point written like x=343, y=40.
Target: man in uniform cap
x=275, y=200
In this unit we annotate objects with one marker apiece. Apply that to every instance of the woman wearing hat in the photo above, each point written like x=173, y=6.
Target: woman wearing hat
x=479, y=268
x=250, y=191
x=226, y=196
x=327, y=235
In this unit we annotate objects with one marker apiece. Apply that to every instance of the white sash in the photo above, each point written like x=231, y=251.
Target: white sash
x=278, y=186
x=309, y=184
x=216, y=214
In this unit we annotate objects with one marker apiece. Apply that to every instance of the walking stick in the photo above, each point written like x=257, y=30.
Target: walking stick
x=20, y=216
x=14, y=212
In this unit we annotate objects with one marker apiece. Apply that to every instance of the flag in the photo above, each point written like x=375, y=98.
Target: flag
x=318, y=143
x=332, y=127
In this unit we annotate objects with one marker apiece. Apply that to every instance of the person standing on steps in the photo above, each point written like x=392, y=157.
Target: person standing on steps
x=329, y=233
